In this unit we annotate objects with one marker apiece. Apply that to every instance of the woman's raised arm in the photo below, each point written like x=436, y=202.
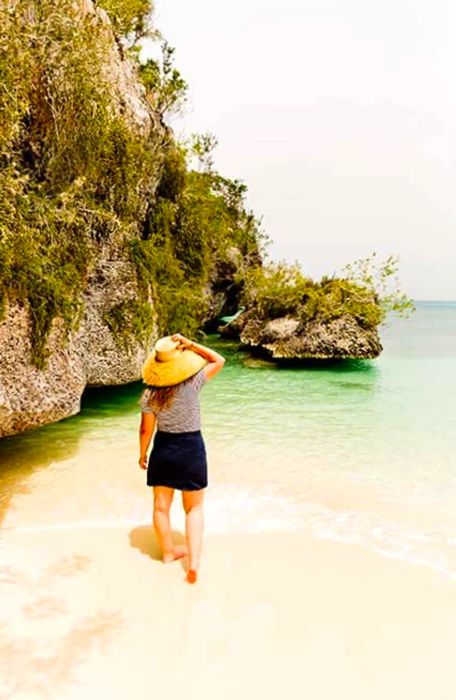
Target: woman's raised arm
x=215, y=360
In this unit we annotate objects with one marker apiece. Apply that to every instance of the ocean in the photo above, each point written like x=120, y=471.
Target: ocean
x=360, y=452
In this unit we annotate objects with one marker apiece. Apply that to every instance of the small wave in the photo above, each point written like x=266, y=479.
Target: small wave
x=231, y=508
x=234, y=509
x=434, y=549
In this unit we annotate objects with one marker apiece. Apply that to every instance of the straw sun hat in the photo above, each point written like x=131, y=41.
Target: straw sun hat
x=170, y=364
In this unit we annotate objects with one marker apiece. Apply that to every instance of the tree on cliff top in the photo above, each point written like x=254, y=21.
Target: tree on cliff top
x=131, y=19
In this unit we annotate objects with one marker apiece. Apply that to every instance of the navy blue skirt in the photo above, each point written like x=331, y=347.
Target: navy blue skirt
x=178, y=460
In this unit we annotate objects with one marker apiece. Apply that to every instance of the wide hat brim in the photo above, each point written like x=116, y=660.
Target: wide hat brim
x=174, y=371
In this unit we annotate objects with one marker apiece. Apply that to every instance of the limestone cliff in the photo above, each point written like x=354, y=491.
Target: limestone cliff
x=107, y=238
x=89, y=353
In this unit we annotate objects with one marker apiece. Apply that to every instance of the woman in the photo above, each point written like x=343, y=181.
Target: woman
x=175, y=373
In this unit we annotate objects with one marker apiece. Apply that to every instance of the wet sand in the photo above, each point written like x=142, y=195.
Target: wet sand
x=91, y=612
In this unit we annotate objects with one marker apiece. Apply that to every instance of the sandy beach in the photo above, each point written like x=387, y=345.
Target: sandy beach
x=91, y=611
x=291, y=239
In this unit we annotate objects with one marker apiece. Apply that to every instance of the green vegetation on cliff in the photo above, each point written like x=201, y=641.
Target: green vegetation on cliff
x=130, y=18
x=189, y=235
x=75, y=171
x=79, y=174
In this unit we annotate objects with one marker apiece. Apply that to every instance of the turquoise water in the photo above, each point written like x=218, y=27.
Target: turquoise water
x=360, y=452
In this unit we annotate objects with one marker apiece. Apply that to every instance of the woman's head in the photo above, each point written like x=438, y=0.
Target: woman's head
x=169, y=364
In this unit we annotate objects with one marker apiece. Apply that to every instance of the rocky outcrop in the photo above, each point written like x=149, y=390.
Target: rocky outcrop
x=90, y=354
x=287, y=338
x=30, y=397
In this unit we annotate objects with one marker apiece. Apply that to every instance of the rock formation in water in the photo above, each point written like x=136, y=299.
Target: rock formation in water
x=288, y=338
x=288, y=316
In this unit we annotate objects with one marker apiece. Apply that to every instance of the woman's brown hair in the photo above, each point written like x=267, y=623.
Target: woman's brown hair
x=160, y=397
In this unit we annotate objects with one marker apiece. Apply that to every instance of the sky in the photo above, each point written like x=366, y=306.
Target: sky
x=339, y=116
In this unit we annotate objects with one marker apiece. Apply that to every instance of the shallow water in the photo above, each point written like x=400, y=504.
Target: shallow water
x=361, y=451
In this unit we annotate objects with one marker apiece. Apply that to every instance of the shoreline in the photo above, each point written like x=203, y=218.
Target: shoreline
x=99, y=613
x=341, y=512
x=409, y=559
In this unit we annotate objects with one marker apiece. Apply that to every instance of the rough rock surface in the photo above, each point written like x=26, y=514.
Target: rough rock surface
x=289, y=339
x=30, y=397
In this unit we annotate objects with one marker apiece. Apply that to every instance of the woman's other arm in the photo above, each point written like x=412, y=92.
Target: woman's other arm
x=146, y=430
x=215, y=360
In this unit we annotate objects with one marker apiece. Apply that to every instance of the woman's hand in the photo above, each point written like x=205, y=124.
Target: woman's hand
x=182, y=340
x=214, y=359
x=143, y=462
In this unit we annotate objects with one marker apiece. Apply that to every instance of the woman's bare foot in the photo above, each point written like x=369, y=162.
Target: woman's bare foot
x=192, y=575
x=177, y=553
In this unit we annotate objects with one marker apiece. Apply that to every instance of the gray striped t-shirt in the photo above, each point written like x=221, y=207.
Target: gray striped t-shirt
x=184, y=413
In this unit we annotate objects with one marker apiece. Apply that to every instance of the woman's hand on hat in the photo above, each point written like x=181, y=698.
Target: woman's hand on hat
x=183, y=342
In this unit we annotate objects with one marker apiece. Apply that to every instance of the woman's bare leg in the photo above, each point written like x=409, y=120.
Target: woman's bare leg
x=194, y=521
x=163, y=497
